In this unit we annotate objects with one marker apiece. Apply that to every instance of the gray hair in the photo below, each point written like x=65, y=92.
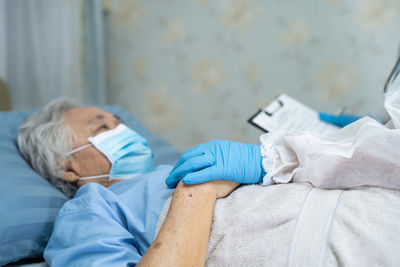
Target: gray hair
x=44, y=141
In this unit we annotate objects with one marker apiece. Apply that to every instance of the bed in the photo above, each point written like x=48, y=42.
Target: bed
x=29, y=204
x=351, y=232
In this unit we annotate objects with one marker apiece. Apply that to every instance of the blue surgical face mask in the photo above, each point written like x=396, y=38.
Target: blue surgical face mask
x=127, y=151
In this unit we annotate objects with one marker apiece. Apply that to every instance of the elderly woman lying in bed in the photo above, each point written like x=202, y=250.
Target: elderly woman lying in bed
x=287, y=224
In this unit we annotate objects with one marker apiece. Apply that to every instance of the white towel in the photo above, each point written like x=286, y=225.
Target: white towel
x=255, y=226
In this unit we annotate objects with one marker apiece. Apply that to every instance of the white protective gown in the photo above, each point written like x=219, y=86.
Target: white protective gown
x=363, y=153
x=353, y=221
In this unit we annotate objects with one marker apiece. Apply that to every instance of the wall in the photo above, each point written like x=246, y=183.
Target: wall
x=193, y=71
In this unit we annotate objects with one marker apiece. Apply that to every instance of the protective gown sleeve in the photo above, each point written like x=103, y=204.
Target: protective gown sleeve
x=91, y=231
x=364, y=153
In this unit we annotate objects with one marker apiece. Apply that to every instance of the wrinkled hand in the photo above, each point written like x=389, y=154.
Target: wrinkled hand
x=338, y=120
x=221, y=188
x=218, y=160
x=224, y=188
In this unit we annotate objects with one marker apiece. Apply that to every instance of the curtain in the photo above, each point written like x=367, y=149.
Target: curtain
x=3, y=43
x=95, y=80
x=43, y=51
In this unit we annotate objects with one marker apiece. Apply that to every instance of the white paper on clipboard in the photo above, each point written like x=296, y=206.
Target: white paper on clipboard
x=286, y=113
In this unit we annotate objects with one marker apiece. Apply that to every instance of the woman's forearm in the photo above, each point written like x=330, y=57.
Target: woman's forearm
x=183, y=238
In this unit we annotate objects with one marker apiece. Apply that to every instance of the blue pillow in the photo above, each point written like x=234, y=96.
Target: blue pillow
x=28, y=203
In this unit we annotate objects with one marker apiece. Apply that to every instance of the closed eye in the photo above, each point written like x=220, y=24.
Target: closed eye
x=102, y=127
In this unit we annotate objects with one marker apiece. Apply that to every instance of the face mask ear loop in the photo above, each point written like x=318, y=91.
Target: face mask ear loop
x=78, y=149
x=93, y=177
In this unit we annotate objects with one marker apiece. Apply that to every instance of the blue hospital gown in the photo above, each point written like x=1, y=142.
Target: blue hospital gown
x=111, y=226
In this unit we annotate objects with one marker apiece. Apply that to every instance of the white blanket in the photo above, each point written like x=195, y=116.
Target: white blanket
x=298, y=225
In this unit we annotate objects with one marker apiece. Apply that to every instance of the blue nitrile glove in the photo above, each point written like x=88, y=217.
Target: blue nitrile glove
x=218, y=160
x=338, y=120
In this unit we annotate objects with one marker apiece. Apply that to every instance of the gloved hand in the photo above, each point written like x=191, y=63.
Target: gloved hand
x=218, y=160
x=338, y=120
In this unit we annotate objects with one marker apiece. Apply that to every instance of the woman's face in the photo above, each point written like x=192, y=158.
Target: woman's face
x=86, y=122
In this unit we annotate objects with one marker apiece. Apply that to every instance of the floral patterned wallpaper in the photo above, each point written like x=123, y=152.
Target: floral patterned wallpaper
x=194, y=71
